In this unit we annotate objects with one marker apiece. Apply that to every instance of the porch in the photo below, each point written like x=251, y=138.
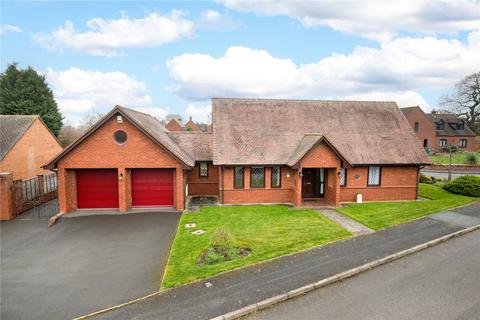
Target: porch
x=319, y=187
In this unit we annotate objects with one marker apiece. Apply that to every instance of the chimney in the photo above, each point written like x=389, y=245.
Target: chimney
x=434, y=111
x=190, y=118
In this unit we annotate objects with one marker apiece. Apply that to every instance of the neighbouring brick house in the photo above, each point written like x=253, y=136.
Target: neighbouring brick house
x=175, y=125
x=259, y=151
x=435, y=130
x=26, y=144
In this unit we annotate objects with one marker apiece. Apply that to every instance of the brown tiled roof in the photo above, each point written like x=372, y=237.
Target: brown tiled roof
x=174, y=125
x=269, y=131
x=450, y=120
x=197, y=144
x=407, y=110
x=146, y=123
x=192, y=126
x=12, y=128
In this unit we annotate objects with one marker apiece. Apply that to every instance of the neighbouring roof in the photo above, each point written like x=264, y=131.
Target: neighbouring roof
x=197, y=144
x=146, y=123
x=190, y=125
x=12, y=129
x=450, y=120
x=174, y=125
x=406, y=111
x=269, y=131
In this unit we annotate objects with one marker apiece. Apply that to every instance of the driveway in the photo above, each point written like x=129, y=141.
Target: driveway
x=81, y=264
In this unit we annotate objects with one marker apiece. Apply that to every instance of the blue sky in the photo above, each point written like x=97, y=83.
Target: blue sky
x=171, y=57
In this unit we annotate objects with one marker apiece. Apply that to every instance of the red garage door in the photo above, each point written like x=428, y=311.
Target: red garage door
x=97, y=188
x=152, y=187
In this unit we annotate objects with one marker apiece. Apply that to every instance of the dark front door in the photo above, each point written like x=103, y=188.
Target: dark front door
x=313, y=183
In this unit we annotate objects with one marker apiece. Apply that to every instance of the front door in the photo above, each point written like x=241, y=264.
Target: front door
x=313, y=183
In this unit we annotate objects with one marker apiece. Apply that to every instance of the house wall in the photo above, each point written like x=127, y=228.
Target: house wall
x=32, y=150
x=455, y=141
x=203, y=185
x=100, y=150
x=284, y=194
x=397, y=183
x=426, y=128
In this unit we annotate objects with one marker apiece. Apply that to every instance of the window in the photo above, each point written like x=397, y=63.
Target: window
x=441, y=126
x=238, y=181
x=374, y=173
x=417, y=126
x=425, y=143
x=120, y=136
x=343, y=177
x=203, y=171
x=463, y=143
x=257, y=177
x=276, y=177
x=460, y=126
x=443, y=142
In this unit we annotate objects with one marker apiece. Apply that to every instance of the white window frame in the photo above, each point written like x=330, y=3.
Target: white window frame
x=374, y=177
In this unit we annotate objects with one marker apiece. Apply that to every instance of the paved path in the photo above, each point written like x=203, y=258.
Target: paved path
x=355, y=227
x=42, y=212
x=236, y=289
x=82, y=264
x=438, y=283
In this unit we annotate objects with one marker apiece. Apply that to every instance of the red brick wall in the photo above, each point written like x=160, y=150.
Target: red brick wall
x=397, y=183
x=203, y=185
x=6, y=199
x=455, y=141
x=34, y=149
x=100, y=150
x=284, y=194
x=426, y=128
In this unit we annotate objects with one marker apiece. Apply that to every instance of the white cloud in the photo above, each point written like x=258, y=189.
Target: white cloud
x=4, y=28
x=377, y=19
x=404, y=65
x=79, y=91
x=199, y=113
x=106, y=37
x=403, y=98
x=211, y=20
x=159, y=113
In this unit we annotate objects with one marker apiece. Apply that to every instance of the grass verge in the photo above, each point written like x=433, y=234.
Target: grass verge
x=379, y=215
x=268, y=231
x=457, y=158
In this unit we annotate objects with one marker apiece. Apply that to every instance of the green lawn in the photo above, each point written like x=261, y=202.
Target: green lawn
x=457, y=158
x=269, y=231
x=379, y=215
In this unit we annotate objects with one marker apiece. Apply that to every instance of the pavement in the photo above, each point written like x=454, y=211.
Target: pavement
x=236, y=289
x=437, y=283
x=82, y=264
x=354, y=227
x=444, y=174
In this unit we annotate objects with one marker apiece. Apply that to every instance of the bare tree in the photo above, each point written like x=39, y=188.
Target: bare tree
x=465, y=99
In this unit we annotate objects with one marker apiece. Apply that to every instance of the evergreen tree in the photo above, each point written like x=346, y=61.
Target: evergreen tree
x=26, y=92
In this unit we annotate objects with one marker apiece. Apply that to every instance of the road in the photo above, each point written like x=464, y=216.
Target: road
x=444, y=174
x=438, y=283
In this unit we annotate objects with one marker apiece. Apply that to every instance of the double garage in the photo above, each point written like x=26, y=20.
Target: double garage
x=99, y=188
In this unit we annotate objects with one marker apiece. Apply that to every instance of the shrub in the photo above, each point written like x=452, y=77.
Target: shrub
x=466, y=185
x=222, y=238
x=447, y=149
x=471, y=158
x=425, y=179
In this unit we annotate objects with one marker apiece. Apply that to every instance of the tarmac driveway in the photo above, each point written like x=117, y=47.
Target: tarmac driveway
x=81, y=264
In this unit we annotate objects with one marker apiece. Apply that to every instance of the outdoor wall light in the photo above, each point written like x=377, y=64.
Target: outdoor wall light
x=120, y=176
x=288, y=174
x=300, y=174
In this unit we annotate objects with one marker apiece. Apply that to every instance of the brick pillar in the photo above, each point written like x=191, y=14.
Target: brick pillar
x=6, y=196
x=67, y=190
x=179, y=190
x=124, y=192
x=268, y=178
x=297, y=201
x=246, y=177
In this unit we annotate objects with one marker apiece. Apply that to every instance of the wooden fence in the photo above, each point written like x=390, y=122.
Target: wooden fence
x=32, y=192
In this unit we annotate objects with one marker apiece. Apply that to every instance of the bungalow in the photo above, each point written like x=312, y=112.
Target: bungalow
x=260, y=151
